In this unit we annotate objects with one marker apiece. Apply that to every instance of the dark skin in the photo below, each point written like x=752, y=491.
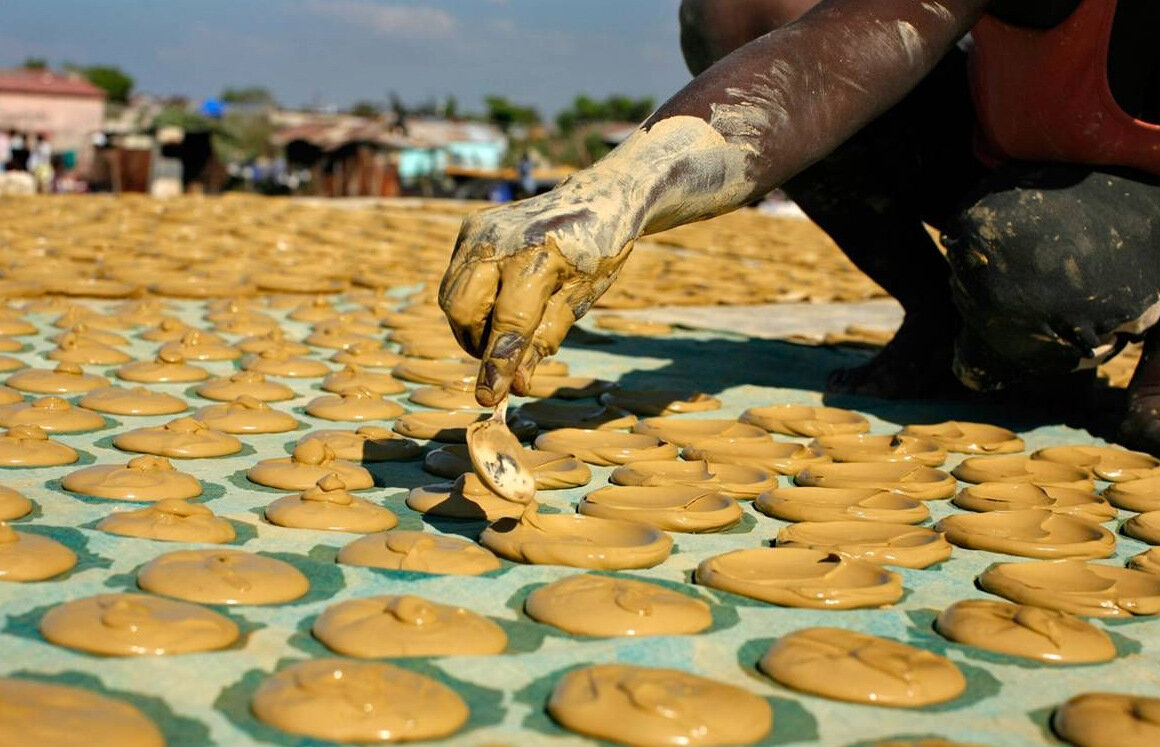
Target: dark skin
x=521, y=274
x=917, y=361
x=873, y=228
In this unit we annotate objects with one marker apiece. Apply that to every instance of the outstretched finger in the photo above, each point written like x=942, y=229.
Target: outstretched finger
x=524, y=290
x=466, y=297
x=558, y=319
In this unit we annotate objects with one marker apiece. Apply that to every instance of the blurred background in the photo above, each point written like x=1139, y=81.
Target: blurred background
x=491, y=99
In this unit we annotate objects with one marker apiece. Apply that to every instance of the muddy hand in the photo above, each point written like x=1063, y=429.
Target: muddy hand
x=521, y=274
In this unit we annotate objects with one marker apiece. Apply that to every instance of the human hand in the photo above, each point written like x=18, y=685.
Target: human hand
x=522, y=274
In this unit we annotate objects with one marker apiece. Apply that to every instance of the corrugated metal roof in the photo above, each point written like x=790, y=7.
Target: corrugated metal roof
x=47, y=83
x=421, y=133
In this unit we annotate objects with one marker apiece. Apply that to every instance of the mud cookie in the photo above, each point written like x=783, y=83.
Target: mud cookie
x=136, y=401
x=804, y=420
x=329, y=506
x=801, y=577
x=54, y=715
x=170, y=520
x=651, y=707
x=367, y=444
x=605, y=448
x=183, y=438
x=968, y=438
x=310, y=461
x=847, y=665
x=339, y=700
x=576, y=540
x=423, y=552
x=1027, y=632
x=388, y=627
x=354, y=405
x=136, y=625
x=877, y=542
x=220, y=576
x=1086, y=589
x=246, y=414
x=30, y=557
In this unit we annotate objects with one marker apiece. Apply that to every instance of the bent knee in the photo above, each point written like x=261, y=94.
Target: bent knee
x=1039, y=284
x=1017, y=252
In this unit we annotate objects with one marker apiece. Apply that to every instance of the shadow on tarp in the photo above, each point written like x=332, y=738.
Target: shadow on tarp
x=791, y=722
x=719, y=363
x=400, y=475
x=234, y=703
x=470, y=528
x=177, y=729
x=1041, y=717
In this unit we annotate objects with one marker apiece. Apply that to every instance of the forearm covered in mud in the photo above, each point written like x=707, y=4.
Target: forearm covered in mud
x=776, y=105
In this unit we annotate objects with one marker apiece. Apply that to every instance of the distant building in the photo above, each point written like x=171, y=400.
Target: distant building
x=64, y=105
x=354, y=156
x=442, y=143
x=344, y=156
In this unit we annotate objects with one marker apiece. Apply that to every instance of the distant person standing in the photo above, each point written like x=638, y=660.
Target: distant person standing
x=5, y=151
x=101, y=176
x=17, y=151
x=40, y=162
x=527, y=180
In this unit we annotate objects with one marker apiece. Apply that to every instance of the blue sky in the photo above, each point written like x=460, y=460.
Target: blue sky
x=539, y=52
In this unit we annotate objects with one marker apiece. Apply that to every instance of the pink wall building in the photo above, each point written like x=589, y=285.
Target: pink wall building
x=64, y=105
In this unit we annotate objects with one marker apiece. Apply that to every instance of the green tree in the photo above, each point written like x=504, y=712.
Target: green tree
x=116, y=84
x=244, y=136
x=177, y=115
x=615, y=108
x=627, y=109
x=566, y=121
x=35, y=63
x=587, y=109
x=504, y=113
x=451, y=108
x=364, y=108
x=248, y=95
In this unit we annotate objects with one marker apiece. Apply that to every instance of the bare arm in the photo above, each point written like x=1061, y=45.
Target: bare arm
x=521, y=274
x=787, y=99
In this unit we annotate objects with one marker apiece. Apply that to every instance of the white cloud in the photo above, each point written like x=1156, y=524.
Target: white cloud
x=207, y=42
x=399, y=21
